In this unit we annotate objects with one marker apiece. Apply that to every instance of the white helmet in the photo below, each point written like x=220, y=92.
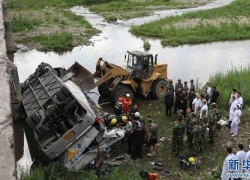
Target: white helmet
x=137, y=114
x=127, y=95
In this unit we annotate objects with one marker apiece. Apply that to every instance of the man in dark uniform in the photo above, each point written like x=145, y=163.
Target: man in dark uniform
x=178, y=84
x=169, y=102
x=171, y=86
x=191, y=97
x=215, y=96
x=183, y=101
x=137, y=138
x=177, y=100
x=192, y=86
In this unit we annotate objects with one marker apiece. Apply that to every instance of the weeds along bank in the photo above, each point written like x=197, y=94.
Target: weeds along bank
x=238, y=78
x=47, y=25
x=231, y=22
x=128, y=9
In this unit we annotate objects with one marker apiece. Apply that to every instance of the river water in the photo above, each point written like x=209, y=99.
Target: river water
x=185, y=62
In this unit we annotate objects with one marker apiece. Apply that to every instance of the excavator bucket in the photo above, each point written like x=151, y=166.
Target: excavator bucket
x=83, y=76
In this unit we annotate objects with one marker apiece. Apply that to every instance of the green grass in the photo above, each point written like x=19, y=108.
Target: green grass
x=146, y=46
x=202, y=26
x=20, y=23
x=111, y=18
x=134, y=5
x=238, y=78
x=128, y=9
x=37, y=24
x=57, y=41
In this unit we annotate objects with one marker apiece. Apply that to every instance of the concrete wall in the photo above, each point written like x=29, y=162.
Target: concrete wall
x=7, y=160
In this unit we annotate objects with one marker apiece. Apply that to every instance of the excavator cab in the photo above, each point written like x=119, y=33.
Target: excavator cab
x=140, y=64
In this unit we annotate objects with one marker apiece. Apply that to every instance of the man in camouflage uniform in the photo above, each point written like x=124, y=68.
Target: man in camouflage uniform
x=198, y=139
x=185, y=86
x=177, y=137
x=192, y=86
x=212, y=119
x=191, y=122
x=183, y=101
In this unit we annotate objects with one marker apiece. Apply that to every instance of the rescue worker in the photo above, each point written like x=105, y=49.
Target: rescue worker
x=129, y=130
x=127, y=102
x=178, y=84
x=198, y=137
x=177, y=137
x=191, y=97
x=119, y=107
x=171, y=86
x=231, y=111
x=185, y=86
x=169, y=102
x=148, y=176
x=137, y=139
x=133, y=110
x=212, y=119
x=204, y=107
x=152, y=137
x=183, y=101
x=236, y=120
x=177, y=99
x=192, y=86
x=189, y=127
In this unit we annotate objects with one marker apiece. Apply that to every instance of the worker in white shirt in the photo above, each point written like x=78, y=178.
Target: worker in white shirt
x=196, y=102
x=204, y=107
x=231, y=111
x=236, y=120
x=241, y=156
x=225, y=169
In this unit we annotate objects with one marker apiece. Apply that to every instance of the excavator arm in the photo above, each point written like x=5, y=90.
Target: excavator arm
x=87, y=80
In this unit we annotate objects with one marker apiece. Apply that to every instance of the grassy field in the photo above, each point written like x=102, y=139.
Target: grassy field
x=47, y=25
x=128, y=9
x=226, y=23
x=237, y=78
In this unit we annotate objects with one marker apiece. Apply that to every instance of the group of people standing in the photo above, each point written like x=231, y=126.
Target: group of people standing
x=195, y=113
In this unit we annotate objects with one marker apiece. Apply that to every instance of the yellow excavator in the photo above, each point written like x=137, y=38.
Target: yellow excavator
x=143, y=75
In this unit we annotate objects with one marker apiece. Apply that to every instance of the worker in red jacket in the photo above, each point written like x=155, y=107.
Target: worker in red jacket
x=127, y=102
x=148, y=176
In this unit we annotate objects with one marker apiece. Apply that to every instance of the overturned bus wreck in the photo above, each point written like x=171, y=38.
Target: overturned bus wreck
x=66, y=123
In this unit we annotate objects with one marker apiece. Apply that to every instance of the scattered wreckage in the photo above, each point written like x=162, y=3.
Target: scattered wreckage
x=67, y=124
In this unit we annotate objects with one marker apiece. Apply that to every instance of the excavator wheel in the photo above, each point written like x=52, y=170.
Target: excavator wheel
x=121, y=91
x=103, y=89
x=159, y=88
